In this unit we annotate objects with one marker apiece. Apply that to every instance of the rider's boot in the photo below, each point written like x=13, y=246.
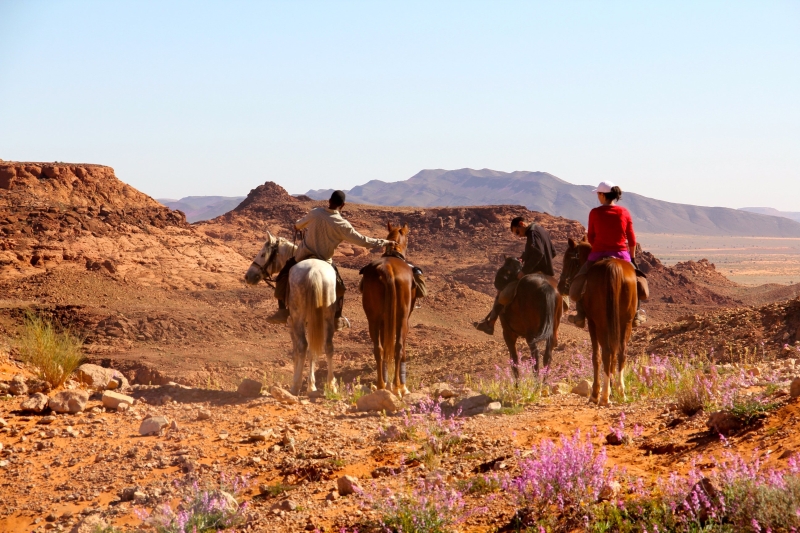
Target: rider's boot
x=281, y=315
x=579, y=318
x=641, y=316
x=487, y=324
x=341, y=322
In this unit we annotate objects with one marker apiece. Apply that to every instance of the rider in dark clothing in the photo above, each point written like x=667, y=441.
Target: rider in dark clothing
x=537, y=258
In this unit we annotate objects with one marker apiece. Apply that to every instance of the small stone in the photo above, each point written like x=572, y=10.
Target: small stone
x=173, y=426
x=380, y=400
x=615, y=440
x=347, y=485
x=332, y=496
x=3, y=423
x=204, y=414
x=261, y=435
x=283, y=395
x=249, y=388
x=472, y=403
x=90, y=524
x=128, y=493
x=794, y=388
x=69, y=401
x=609, y=491
x=287, y=505
x=494, y=407
x=17, y=386
x=95, y=376
x=583, y=388
x=111, y=399
x=443, y=390
x=35, y=403
x=560, y=388
x=153, y=425
x=123, y=406
x=46, y=420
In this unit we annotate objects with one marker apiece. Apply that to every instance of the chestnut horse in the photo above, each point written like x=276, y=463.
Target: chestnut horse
x=610, y=301
x=534, y=314
x=388, y=296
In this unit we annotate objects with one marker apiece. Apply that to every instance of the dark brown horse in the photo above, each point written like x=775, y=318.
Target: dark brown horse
x=534, y=314
x=610, y=302
x=388, y=296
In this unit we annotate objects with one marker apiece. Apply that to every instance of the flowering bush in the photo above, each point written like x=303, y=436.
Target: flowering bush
x=567, y=477
x=431, y=507
x=202, y=509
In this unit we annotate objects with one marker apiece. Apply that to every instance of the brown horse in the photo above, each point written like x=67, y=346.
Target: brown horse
x=388, y=296
x=534, y=314
x=610, y=302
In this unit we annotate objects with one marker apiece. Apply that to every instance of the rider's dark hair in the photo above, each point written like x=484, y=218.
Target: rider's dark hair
x=337, y=199
x=615, y=194
x=518, y=221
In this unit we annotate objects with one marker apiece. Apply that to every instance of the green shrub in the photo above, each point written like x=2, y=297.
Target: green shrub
x=54, y=352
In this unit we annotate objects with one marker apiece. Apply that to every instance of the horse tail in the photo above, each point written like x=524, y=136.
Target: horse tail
x=389, y=321
x=546, y=307
x=315, y=310
x=614, y=280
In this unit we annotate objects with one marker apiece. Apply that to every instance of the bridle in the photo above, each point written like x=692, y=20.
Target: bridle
x=265, y=274
x=574, y=266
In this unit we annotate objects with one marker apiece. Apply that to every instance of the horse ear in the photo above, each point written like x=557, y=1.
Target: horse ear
x=571, y=243
x=585, y=238
x=389, y=225
x=404, y=230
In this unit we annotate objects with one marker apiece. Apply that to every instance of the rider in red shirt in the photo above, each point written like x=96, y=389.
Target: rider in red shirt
x=611, y=234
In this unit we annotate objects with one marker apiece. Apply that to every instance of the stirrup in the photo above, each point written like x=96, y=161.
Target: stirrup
x=281, y=316
x=485, y=326
x=577, y=321
x=342, y=323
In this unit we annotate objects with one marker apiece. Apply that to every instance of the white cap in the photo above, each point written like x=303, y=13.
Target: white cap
x=605, y=186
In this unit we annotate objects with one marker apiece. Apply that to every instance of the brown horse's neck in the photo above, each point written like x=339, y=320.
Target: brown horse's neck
x=584, y=249
x=395, y=253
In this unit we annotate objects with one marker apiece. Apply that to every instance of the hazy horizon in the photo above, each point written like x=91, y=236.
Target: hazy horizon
x=684, y=102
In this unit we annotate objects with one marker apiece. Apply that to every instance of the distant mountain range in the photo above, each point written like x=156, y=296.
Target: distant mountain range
x=540, y=191
x=793, y=215
x=198, y=208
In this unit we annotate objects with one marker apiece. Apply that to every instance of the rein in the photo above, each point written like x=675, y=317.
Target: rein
x=574, y=267
x=265, y=275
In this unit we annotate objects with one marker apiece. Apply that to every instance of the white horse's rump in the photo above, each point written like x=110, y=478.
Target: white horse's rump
x=312, y=295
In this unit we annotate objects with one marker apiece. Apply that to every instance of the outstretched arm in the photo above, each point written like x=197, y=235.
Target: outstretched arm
x=349, y=234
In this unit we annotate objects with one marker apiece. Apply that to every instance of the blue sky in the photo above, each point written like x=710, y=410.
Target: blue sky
x=692, y=102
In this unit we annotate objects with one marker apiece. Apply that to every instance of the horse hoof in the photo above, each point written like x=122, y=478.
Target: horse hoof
x=372, y=387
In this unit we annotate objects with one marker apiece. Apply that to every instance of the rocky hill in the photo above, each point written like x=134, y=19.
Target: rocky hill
x=540, y=191
x=82, y=216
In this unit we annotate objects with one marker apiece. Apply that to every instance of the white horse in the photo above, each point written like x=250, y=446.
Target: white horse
x=311, y=302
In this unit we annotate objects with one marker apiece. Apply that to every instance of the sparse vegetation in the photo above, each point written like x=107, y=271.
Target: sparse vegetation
x=52, y=351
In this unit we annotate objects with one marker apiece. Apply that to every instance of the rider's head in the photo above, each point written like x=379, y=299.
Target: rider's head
x=337, y=200
x=518, y=226
x=608, y=193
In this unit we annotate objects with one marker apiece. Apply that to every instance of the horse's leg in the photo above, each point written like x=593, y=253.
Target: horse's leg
x=300, y=349
x=511, y=341
x=377, y=348
x=534, y=352
x=595, y=396
x=400, y=362
x=329, y=329
x=548, y=351
x=621, y=359
x=608, y=370
x=312, y=371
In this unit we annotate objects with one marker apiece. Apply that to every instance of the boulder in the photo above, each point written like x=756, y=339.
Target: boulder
x=380, y=400
x=261, y=435
x=794, y=388
x=36, y=403
x=415, y=398
x=609, y=491
x=249, y=388
x=494, y=407
x=583, y=388
x=69, y=401
x=443, y=390
x=38, y=385
x=153, y=425
x=473, y=403
x=17, y=386
x=98, y=378
x=204, y=414
x=283, y=395
x=112, y=400
x=347, y=485
x=90, y=524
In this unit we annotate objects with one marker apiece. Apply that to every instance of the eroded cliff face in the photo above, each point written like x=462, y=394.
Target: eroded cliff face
x=82, y=216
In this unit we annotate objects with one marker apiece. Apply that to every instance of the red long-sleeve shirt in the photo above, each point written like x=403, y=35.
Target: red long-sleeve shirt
x=611, y=229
